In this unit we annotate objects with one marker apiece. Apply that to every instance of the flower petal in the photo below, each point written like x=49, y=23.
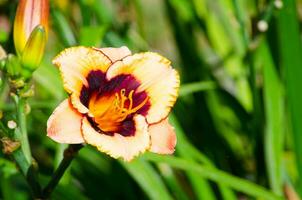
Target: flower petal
x=75, y=63
x=118, y=146
x=163, y=137
x=157, y=78
x=64, y=125
x=115, y=54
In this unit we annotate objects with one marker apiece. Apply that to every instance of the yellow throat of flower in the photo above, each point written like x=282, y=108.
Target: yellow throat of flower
x=110, y=111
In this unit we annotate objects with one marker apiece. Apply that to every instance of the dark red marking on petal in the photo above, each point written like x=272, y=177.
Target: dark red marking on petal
x=96, y=79
x=114, y=85
x=127, y=128
x=128, y=82
x=98, y=83
x=84, y=96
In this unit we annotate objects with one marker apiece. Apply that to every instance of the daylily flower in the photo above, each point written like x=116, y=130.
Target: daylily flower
x=118, y=102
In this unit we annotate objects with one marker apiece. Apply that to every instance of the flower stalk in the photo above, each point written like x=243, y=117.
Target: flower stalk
x=69, y=155
x=28, y=169
x=21, y=130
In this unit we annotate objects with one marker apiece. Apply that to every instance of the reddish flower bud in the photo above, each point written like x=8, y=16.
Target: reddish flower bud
x=30, y=13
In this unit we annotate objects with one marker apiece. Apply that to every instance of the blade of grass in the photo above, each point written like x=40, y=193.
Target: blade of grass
x=172, y=182
x=182, y=20
x=149, y=180
x=139, y=18
x=63, y=29
x=239, y=12
x=55, y=89
x=104, y=15
x=6, y=189
x=7, y=170
x=85, y=12
x=215, y=175
x=190, y=88
x=201, y=187
x=92, y=36
x=273, y=102
x=230, y=136
x=256, y=129
x=188, y=151
x=291, y=60
x=222, y=13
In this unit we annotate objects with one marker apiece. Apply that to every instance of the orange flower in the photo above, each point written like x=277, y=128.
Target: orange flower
x=118, y=102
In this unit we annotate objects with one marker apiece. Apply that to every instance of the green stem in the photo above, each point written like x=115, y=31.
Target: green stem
x=215, y=175
x=21, y=121
x=28, y=169
x=4, y=91
x=69, y=155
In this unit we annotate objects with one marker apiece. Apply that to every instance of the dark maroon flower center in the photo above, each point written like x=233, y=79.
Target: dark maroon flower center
x=114, y=102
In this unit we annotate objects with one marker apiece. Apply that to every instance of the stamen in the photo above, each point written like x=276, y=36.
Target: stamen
x=117, y=111
x=130, y=99
x=127, y=111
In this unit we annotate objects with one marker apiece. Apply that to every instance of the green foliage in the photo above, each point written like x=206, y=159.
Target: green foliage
x=238, y=118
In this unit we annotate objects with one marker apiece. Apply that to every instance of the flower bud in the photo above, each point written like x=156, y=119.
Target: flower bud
x=34, y=49
x=13, y=67
x=30, y=13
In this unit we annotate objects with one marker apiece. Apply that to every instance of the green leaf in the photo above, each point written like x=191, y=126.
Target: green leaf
x=172, y=182
x=291, y=60
x=149, y=180
x=274, y=109
x=63, y=28
x=7, y=168
x=92, y=36
x=190, y=88
x=201, y=187
x=215, y=175
x=189, y=152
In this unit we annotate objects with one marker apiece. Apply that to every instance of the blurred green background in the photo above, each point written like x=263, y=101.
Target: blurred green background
x=238, y=117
